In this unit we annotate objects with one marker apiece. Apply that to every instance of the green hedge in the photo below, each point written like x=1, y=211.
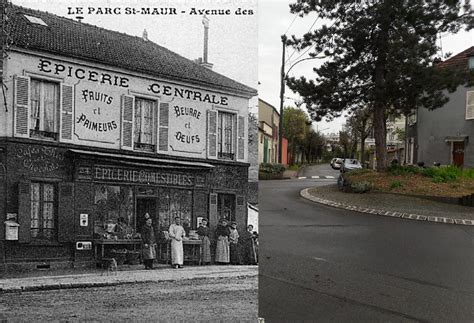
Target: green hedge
x=271, y=168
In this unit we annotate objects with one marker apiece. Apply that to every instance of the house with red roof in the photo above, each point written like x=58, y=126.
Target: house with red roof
x=445, y=135
x=100, y=130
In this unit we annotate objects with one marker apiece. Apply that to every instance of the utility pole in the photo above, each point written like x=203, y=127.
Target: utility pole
x=282, y=94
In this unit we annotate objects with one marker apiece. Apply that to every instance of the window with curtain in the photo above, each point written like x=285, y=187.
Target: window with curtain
x=44, y=102
x=175, y=202
x=226, y=135
x=43, y=206
x=145, y=124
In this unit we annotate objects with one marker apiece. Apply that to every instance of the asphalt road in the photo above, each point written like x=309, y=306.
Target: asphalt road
x=322, y=264
x=203, y=300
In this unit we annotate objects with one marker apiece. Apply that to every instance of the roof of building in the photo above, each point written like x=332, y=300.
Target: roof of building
x=266, y=103
x=458, y=61
x=70, y=38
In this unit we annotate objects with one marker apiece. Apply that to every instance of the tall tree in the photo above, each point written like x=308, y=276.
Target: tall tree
x=380, y=54
x=295, y=123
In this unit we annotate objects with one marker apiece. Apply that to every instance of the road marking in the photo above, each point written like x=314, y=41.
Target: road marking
x=320, y=259
x=314, y=176
x=302, y=177
x=330, y=177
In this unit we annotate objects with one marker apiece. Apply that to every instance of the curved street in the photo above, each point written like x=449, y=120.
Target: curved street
x=323, y=264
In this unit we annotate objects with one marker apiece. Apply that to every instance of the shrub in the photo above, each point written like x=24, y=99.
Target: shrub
x=271, y=168
x=468, y=173
x=360, y=187
x=403, y=170
x=443, y=174
x=395, y=184
x=294, y=167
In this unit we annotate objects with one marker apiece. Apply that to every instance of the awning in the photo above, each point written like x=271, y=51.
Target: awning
x=143, y=161
x=455, y=138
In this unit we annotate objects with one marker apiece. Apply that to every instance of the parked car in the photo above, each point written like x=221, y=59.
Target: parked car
x=349, y=164
x=336, y=163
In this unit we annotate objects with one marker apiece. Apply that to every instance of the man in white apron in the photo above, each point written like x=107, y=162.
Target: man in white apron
x=177, y=233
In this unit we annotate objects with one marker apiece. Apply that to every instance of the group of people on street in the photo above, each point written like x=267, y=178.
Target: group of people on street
x=229, y=249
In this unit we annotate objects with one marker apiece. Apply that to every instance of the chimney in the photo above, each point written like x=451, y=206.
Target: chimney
x=145, y=35
x=205, y=63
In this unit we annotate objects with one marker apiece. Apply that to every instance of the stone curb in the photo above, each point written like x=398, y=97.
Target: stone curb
x=305, y=194
x=92, y=284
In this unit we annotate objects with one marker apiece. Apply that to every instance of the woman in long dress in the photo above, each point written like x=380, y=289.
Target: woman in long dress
x=234, y=246
x=222, y=247
x=177, y=233
x=250, y=254
x=203, y=232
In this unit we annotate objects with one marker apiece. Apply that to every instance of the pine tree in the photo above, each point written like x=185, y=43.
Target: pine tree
x=381, y=55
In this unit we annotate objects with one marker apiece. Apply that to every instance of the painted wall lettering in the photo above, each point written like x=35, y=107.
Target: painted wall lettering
x=39, y=159
x=48, y=66
x=131, y=175
x=96, y=126
x=188, y=94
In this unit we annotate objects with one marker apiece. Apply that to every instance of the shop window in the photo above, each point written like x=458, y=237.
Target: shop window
x=44, y=114
x=175, y=202
x=145, y=125
x=43, y=215
x=226, y=135
x=226, y=206
x=114, y=216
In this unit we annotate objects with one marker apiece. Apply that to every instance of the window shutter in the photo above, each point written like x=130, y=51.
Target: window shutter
x=126, y=140
x=213, y=209
x=163, y=127
x=241, y=210
x=67, y=113
x=470, y=105
x=212, y=134
x=66, y=212
x=24, y=211
x=241, y=138
x=22, y=106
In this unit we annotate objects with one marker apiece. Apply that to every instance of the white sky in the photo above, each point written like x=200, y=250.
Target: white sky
x=274, y=19
x=232, y=38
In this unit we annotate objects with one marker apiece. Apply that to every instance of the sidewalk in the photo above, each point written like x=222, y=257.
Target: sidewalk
x=136, y=275
x=393, y=205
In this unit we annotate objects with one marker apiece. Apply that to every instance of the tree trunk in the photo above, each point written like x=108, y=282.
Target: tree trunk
x=362, y=151
x=380, y=138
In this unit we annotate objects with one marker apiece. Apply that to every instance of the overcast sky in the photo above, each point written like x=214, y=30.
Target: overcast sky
x=232, y=38
x=274, y=20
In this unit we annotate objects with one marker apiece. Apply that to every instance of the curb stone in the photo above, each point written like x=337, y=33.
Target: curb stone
x=417, y=217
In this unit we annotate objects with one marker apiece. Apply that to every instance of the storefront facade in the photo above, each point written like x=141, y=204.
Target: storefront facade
x=85, y=146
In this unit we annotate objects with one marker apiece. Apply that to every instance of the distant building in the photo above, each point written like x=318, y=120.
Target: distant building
x=268, y=121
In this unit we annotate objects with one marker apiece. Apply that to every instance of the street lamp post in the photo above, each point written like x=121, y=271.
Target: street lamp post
x=283, y=77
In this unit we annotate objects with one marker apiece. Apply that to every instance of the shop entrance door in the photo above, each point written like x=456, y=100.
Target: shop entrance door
x=458, y=153
x=146, y=205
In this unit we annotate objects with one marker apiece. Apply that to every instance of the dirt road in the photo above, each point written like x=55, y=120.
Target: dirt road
x=190, y=300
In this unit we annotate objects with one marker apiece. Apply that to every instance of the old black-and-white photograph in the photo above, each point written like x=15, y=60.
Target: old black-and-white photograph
x=128, y=161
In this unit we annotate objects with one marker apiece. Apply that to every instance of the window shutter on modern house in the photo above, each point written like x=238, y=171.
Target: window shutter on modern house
x=126, y=138
x=66, y=212
x=469, y=105
x=163, y=126
x=213, y=209
x=24, y=211
x=22, y=106
x=212, y=134
x=240, y=138
x=67, y=113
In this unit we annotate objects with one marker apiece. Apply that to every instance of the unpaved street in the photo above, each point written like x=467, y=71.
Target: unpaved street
x=189, y=300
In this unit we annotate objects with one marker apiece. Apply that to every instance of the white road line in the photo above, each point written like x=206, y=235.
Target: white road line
x=314, y=176
x=302, y=177
x=320, y=259
x=330, y=177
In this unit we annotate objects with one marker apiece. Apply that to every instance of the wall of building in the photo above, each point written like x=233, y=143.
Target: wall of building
x=99, y=94
x=434, y=126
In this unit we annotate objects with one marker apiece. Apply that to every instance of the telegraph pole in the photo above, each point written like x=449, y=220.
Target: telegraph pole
x=282, y=93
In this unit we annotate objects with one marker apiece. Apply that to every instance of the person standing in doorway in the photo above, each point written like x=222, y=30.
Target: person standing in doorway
x=149, y=244
x=233, y=244
x=177, y=233
x=222, y=247
x=203, y=232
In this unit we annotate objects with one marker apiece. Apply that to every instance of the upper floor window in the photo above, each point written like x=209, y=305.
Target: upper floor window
x=226, y=135
x=145, y=124
x=44, y=113
x=43, y=206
